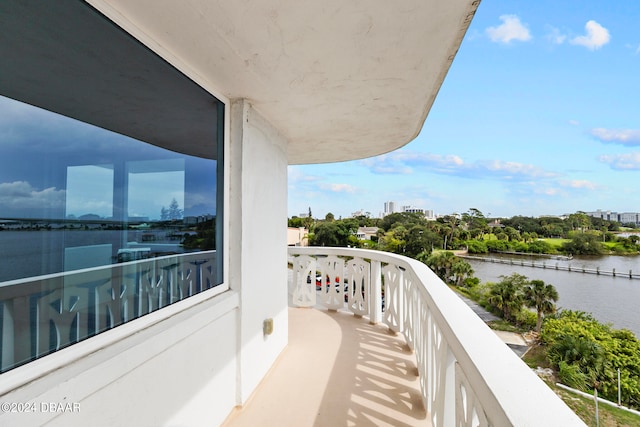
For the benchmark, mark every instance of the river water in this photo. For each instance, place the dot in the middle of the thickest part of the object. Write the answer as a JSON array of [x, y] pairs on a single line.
[[614, 300], [35, 253]]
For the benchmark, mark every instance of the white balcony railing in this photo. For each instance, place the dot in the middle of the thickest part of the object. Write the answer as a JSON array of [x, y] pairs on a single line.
[[468, 377], [40, 315]]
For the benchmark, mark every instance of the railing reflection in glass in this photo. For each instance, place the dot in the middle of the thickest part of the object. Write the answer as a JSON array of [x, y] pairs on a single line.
[[44, 314]]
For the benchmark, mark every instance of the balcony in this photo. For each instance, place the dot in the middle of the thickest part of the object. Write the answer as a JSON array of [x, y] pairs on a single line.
[[391, 344]]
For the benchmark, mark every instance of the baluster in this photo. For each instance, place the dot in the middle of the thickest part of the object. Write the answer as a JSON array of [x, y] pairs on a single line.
[[469, 412], [332, 276], [359, 277], [304, 294], [392, 280], [375, 299]]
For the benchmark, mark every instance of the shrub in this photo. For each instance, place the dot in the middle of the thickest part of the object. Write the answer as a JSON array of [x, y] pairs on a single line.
[[476, 247], [521, 247], [540, 247], [571, 376], [497, 245], [526, 319]]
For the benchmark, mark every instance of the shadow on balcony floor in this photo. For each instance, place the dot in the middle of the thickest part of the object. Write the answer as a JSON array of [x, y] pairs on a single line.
[[337, 370]]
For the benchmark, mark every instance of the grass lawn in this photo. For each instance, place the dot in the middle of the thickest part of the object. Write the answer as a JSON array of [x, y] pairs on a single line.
[[556, 243], [585, 408]]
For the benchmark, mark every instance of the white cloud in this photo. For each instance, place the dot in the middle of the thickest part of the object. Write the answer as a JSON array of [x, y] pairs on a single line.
[[510, 29], [574, 122], [20, 195], [579, 184], [596, 36], [338, 188], [405, 162], [387, 164], [510, 169], [546, 191], [555, 36], [629, 161], [629, 137], [295, 175]]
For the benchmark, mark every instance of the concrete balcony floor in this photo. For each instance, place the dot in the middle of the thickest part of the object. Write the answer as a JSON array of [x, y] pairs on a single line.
[[338, 370]]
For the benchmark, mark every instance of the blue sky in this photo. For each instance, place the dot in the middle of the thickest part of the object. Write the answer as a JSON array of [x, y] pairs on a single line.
[[538, 115]]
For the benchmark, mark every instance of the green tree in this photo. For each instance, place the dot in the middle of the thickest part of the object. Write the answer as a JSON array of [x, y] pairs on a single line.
[[461, 270], [579, 221], [419, 239], [507, 295], [475, 222], [542, 297], [295, 222], [391, 242], [583, 244], [406, 219], [441, 264], [512, 233], [451, 223], [336, 233], [309, 222]]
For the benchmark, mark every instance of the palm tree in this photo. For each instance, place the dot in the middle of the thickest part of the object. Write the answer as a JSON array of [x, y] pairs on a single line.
[[507, 294], [441, 263], [460, 271], [542, 297]]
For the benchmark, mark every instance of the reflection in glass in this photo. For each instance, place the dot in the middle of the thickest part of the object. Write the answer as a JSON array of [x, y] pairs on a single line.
[[117, 192], [96, 229], [110, 179], [89, 191]]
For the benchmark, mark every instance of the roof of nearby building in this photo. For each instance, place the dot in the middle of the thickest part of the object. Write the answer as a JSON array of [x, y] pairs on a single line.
[[369, 230], [340, 80]]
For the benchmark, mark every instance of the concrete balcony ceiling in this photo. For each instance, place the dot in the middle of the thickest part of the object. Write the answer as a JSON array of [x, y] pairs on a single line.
[[340, 80]]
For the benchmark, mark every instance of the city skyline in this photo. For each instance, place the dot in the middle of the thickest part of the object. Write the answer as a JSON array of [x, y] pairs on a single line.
[[537, 116]]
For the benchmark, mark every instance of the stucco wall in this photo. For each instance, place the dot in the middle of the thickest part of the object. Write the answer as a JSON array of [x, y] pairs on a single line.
[[166, 368], [257, 240]]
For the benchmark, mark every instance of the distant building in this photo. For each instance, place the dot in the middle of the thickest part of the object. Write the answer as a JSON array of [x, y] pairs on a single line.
[[623, 218], [495, 224], [629, 218], [412, 209], [389, 208], [361, 212], [366, 233], [194, 220], [297, 236]]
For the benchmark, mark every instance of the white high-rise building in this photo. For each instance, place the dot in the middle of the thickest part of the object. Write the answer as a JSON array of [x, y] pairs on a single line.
[[389, 208]]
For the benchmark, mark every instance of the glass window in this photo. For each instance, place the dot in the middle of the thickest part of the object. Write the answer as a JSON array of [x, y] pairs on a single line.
[[110, 180]]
